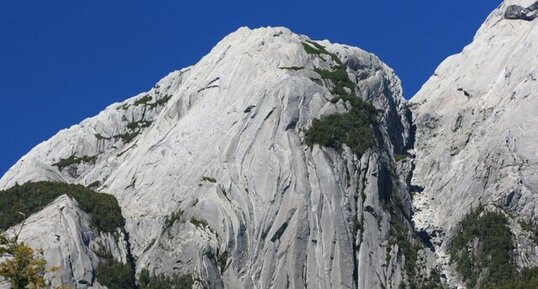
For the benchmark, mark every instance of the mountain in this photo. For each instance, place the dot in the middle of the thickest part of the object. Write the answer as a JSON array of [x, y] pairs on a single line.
[[214, 178], [277, 161], [476, 132]]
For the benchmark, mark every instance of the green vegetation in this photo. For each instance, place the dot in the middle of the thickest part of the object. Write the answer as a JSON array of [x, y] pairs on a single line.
[[337, 129], [170, 220], [25, 269], [115, 275], [162, 101], [312, 47], [102, 252], [340, 80], [222, 260], [128, 136], [294, 68], [94, 185], [398, 157], [481, 249], [147, 281], [529, 226], [528, 279], [143, 100], [74, 160], [135, 127], [209, 179], [398, 235], [30, 198], [138, 124], [202, 224], [351, 128], [357, 224], [123, 107], [408, 246], [99, 136], [433, 281], [310, 50]]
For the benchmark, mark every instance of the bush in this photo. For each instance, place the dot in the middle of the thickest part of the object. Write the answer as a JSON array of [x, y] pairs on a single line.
[[202, 224], [209, 179], [531, 227], [74, 160], [526, 280], [143, 100], [138, 124], [409, 246], [351, 128], [312, 47], [146, 281], [171, 219], [339, 78], [30, 198], [490, 260], [398, 234], [115, 275], [222, 260], [161, 101], [335, 130], [128, 136], [294, 68], [99, 136]]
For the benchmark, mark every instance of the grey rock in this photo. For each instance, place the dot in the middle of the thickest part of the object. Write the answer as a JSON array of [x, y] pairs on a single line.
[[479, 148], [62, 231], [211, 162], [227, 150]]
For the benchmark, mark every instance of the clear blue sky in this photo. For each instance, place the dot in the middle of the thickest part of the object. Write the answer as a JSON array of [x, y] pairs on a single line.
[[63, 60]]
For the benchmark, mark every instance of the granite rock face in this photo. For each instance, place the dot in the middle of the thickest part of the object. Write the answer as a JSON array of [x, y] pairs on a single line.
[[476, 133], [62, 231], [214, 178], [211, 164]]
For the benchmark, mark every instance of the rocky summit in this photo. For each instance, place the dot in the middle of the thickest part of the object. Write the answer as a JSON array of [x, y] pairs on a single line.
[[278, 161], [476, 131]]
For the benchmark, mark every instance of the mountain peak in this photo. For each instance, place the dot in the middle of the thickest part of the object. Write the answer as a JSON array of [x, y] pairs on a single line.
[[476, 130], [217, 152], [278, 161]]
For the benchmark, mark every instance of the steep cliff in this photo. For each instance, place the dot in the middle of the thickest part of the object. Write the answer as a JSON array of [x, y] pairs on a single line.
[[281, 162], [476, 135], [215, 179]]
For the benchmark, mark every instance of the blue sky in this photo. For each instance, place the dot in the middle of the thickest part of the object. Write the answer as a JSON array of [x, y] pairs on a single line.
[[62, 61]]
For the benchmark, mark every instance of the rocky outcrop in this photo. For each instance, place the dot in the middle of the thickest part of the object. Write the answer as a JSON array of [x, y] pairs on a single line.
[[214, 179], [476, 132], [62, 231], [516, 12]]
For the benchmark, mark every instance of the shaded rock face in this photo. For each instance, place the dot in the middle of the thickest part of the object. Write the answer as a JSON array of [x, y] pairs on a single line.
[[476, 133], [214, 179], [518, 12]]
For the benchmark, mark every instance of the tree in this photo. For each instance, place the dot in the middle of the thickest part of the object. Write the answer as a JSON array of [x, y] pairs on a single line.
[[23, 268]]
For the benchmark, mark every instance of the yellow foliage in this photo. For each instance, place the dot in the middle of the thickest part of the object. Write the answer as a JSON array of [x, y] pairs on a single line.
[[23, 268]]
